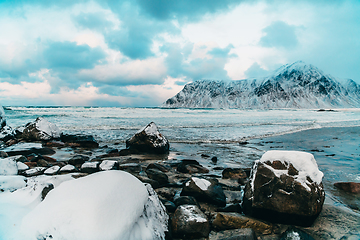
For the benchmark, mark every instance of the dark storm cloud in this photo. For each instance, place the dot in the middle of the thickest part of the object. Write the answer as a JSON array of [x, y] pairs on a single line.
[[279, 35], [69, 55]]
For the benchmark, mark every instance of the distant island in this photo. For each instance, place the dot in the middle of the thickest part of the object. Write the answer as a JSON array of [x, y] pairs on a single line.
[[297, 85]]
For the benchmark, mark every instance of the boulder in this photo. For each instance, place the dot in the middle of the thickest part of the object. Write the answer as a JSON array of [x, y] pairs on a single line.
[[189, 222], [22, 166], [205, 190], [40, 130], [158, 166], [109, 165], [3, 154], [285, 187], [149, 140], [185, 200], [80, 140], [351, 187], [131, 167], [226, 221], [191, 168]]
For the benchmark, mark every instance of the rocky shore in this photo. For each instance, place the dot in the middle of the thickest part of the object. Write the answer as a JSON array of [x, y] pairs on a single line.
[[281, 197]]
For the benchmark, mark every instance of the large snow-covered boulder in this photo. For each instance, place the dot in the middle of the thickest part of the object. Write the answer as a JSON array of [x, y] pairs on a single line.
[[103, 205], [285, 187], [40, 130], [148, 139]]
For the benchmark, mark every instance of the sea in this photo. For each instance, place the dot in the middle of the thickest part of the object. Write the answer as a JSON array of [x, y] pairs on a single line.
[[235, 137]]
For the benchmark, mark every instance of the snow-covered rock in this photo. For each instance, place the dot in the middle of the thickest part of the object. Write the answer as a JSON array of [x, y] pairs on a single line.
[[41, 129], [52, 170], [8, 166], [22, 166], [148, 139], [104, 205], [2, 117], [6, 133], [90, 167], [296, 85], [36, 171], [27, 149], [190, 222], [286, 187], [68, 168], [107, 165]]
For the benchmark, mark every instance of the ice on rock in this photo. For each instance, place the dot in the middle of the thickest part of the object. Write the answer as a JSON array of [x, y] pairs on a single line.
[[104, 205], [47, 127], [52, 170], [107, 165], [302, 161], [203, 184], [8, 166]]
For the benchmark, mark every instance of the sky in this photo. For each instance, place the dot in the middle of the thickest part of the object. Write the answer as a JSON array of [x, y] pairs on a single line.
[[139, 53]]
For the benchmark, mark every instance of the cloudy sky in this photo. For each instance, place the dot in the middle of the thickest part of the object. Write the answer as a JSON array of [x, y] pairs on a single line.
[[141, 52]]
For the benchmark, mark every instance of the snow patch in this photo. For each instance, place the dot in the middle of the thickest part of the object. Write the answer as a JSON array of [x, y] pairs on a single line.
[[203, 184], [8, 166], [67, 167], [22, 166], [107, 165], [104, 205], [52, 170], [11, 183], [90, 165], [47, 127]]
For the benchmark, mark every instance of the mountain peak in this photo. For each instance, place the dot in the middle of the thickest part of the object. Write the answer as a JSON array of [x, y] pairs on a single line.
[[296, 85]]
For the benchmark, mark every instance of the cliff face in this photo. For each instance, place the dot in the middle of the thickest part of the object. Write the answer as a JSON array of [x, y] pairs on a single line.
[[296, 85]]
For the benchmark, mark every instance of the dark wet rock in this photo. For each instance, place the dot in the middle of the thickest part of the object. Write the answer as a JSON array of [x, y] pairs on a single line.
[[144, 179], [36, 171], [68, 169], [218, 168], [205, 190], [42, 163], [159, 167], [234, 173], [226, 221], [229, 184], [78, 159], [3, 154], [214, 160], [157, 175], [288, 190], [170, 206], [191, 168], [18, 158], [90, 167], [351, 187], [149, 140], [52, 170], [40, 130], [236, 234], [46, 190], [84, 141], [205, 156], [49, 159], [27, 149], [57, 144], [185, 200], [189, 222], [167, 193], [30, 164], [109, 165], [232, 207], [131, 167], [294, 233]]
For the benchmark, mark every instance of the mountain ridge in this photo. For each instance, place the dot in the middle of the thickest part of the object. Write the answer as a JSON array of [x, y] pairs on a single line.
[[296, 85]]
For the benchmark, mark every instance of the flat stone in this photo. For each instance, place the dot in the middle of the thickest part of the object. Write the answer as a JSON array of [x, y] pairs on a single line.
[[351, 187], [236, 234], [226, 221]]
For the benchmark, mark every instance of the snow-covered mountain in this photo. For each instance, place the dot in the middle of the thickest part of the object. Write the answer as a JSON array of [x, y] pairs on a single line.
[[296, 85]]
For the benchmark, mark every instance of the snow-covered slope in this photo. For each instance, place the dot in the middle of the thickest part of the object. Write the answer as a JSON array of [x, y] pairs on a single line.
[[296, 85]]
